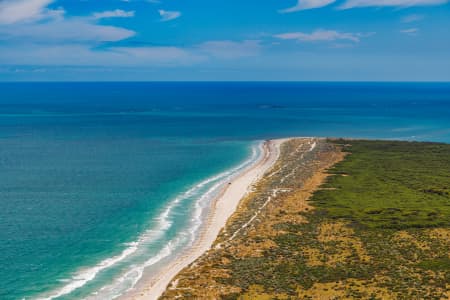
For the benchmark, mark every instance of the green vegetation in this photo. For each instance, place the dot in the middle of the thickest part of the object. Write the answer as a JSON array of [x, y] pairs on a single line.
[[440, 264], [378, 228], [390, 185]]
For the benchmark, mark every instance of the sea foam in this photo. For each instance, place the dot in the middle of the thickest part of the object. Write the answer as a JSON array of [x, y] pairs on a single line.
[[128, 279]]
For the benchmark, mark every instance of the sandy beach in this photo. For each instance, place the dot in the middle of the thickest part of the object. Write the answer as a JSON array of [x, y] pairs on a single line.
[[223, 206]]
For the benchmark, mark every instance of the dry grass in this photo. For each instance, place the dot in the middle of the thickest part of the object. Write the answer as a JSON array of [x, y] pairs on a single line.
[[294, 250], [348, 289]]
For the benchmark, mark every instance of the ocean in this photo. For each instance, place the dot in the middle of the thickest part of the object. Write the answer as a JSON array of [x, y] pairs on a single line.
[[101, 181]]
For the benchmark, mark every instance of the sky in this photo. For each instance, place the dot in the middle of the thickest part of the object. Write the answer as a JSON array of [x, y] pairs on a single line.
[[225, 40]]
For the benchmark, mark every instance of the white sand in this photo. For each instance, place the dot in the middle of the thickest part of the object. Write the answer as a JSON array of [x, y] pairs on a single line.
[[222, 208]]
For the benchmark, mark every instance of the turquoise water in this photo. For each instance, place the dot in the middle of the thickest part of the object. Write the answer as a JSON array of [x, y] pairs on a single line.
[[99, 180]]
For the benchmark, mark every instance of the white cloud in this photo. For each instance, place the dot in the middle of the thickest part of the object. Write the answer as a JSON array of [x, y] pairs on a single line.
[[21, 24], [412, 18], [71, 30], [84, 55], [320, 36], [231, 49], [72, 53], [77, 41], [157, 55], [54, 14], [392, 3], [410, 31], [311, 4], [15, 11], [168, 15], [307, 4], [118, 13]]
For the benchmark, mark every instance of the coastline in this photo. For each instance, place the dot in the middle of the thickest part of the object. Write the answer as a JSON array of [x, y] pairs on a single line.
[[222, 207], [311, 228]]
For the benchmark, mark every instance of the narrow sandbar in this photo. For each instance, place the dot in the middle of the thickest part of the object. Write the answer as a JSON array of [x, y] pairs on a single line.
[[222, 207]]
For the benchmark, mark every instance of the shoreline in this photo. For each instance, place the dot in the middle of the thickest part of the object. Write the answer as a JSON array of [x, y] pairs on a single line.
[[221, 209], [318, 227]]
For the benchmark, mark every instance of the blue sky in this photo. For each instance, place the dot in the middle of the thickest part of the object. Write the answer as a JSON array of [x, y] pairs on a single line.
[[314, 40]]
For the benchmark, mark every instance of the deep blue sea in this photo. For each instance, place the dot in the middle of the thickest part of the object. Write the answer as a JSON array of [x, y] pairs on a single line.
[[101, 181]]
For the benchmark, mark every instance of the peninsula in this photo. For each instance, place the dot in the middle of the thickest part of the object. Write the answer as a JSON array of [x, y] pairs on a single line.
[[334, 219]]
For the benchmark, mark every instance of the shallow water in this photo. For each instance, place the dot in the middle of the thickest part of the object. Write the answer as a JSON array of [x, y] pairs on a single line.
[[89, 170]]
